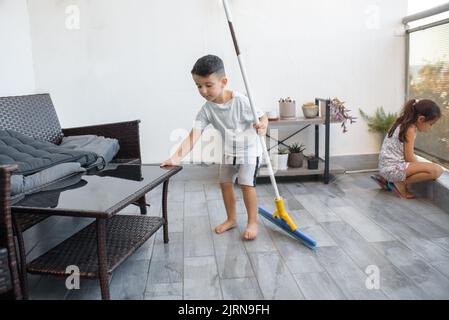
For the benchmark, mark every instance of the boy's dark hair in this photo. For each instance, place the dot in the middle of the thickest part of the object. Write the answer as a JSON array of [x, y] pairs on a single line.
[[410, 113], [208, 65]]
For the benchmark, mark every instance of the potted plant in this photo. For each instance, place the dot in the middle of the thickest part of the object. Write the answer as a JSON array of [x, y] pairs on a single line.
[[287, 109], [339, 112], [295, 158], [280, 159], [380, 122], [312, 162], [310, 110]]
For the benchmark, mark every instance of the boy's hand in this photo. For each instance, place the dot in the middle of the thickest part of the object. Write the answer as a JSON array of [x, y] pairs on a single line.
[[169, 163], [261, 128]]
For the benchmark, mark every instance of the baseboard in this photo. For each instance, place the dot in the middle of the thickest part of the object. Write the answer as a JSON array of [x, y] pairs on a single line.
[[441, 192], [357, 162], [436, 191], [349, 163]]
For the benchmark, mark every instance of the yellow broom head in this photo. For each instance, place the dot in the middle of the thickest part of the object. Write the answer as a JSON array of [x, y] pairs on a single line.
[[281, 213]]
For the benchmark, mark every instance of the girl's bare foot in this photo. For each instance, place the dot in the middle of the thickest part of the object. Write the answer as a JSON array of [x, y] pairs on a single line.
[[225, 226], [400, 189], [250, 232], [408, 194]]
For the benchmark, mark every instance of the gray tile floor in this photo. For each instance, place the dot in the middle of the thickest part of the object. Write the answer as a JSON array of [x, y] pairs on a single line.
[[355, 224]]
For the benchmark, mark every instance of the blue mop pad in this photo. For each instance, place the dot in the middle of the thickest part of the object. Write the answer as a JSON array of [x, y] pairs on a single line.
[[308, 242]]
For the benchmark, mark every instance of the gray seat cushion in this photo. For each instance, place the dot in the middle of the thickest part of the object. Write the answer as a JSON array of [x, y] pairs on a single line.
[[48, 196], [32, 115], [105, 148], [33, 183], [32, 155]]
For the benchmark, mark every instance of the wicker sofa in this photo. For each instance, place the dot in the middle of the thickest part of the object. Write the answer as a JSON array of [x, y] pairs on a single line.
[[35, 116]]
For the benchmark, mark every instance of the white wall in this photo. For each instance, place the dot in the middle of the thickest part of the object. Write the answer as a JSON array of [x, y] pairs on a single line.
[[16, 61], [415, 6], [132, 60]]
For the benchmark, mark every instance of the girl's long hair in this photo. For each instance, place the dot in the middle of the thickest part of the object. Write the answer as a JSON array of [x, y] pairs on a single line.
[[410, 113]]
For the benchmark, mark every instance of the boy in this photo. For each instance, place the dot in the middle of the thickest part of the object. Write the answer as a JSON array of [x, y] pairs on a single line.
[[230, 113]]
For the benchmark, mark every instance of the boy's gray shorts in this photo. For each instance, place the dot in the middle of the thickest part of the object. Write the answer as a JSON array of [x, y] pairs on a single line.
[[245, 173]]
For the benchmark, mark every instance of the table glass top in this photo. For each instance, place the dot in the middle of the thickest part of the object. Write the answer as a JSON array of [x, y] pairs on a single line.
[[98, 191]]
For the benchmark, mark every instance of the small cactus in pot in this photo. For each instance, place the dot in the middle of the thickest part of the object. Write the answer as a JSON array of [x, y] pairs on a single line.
[[312, 162], [296, 157]]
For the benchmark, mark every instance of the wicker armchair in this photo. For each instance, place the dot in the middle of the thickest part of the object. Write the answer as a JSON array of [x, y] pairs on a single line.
[[9, 275], [35, 116], [127, 133]]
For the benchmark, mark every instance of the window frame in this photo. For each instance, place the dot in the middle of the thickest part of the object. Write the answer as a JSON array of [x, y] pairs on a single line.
[[418, 16]]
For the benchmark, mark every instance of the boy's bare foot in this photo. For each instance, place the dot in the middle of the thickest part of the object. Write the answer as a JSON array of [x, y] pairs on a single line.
[[225, 226], [250, 232]]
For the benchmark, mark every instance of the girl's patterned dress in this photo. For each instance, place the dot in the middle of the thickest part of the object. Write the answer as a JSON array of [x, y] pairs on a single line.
[[392, 164]]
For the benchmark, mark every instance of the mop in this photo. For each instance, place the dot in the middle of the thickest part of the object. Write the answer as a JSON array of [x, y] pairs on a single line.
[[280, 217]]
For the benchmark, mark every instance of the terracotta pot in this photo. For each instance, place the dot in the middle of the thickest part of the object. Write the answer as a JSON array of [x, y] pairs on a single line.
[[295, 160]]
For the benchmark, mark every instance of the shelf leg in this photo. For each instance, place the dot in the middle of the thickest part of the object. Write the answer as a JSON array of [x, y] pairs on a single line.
[[164, 210], [327, 143]]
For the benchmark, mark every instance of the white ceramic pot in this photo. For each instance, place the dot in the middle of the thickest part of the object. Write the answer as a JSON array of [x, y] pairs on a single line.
[[287, 110], [279, 161]]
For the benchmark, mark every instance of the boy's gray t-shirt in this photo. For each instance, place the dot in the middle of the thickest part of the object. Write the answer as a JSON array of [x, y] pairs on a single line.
[[234, 120]]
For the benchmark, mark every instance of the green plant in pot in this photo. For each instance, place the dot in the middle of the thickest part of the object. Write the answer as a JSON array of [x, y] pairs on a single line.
[[380, 122], [296, 157]]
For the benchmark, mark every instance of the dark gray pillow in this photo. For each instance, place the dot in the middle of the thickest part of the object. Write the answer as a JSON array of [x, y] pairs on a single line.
[[32, 155], [106, 148]]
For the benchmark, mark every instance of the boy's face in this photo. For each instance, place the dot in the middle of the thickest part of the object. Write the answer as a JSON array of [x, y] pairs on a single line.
[[210, 87]]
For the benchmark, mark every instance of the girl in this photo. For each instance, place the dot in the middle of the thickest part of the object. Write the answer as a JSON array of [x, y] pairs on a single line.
[[397, 162]]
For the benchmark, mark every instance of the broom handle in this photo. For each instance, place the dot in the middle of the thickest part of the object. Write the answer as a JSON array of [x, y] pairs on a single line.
[[251, 101]]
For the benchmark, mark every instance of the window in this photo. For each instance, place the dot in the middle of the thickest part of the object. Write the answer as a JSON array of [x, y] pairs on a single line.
[[428, 78]]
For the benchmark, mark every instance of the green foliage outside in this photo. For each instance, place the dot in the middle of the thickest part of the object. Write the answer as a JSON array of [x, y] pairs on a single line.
[[380, 122]]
